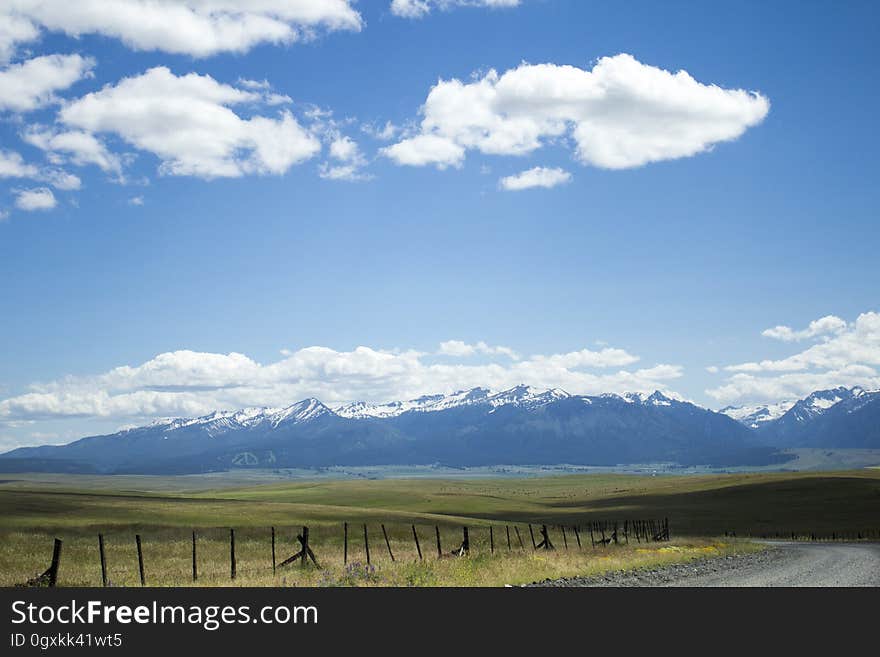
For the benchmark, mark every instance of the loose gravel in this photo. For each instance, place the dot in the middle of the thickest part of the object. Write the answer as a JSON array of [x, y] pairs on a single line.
[[780, 564]]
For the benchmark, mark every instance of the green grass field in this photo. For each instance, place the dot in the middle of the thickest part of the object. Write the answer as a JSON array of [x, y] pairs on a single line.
[[165, 510]]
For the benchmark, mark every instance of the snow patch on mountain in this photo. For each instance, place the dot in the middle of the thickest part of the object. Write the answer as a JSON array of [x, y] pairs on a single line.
[[755, 415]]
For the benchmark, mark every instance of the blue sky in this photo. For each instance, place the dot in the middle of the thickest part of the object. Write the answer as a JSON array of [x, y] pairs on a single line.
[[667, 247]]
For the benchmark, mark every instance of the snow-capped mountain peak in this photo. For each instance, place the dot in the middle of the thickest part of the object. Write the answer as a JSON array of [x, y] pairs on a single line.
[[801, 411], [302, 411], [819, 402], [526, 396], [521, 395]]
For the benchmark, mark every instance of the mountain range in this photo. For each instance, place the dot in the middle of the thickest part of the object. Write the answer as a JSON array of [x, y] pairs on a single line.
[[522, 425]]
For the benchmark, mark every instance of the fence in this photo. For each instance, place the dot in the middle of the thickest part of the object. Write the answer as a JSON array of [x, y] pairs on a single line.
[[602, 534]]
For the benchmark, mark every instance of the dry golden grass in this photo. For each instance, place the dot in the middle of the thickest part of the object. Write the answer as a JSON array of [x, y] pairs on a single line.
[[168, 558]]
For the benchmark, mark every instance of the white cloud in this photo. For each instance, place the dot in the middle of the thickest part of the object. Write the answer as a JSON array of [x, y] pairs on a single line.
[[14, 30], [40, 198], [82, 147], [420, 8], [619, 114], [61, 179], [535, 177], [426, 149], [821, 326], [199, 28], [32, 84], [459, 349], [192, 383], [848, 357], [384, 133], [136, 200], [186, 121], [349, 161], [12, 165]]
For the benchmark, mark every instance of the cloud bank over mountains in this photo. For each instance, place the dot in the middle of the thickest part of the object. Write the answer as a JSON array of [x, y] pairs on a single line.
[[189, 383], [843, 354], [186, 383]]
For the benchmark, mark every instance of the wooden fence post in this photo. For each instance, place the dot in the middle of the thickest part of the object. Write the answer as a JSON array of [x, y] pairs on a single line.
[[387, 543], [231, 553], [577, 535], [103, 560], [367, 544], [137, 540], [592, 540], [439, 549], [507, 529], [545, 543], [416, 539], [194, 564], [305, 547], [532, 534], [273, 551], [491, 540], [345, 544], [564, 538], [56, 562], [519, 538], [626, 531]]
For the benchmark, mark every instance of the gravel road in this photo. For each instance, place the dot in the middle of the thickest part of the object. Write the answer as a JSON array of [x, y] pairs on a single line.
[[782, 564]]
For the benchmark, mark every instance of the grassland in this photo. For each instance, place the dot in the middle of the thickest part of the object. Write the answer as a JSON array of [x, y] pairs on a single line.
[[36, 508]]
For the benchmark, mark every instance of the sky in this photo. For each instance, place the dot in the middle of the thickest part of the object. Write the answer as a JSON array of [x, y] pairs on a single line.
[[213, 204]]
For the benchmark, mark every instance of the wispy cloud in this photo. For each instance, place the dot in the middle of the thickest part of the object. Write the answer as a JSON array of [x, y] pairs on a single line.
[[536, 177], [848, 353]]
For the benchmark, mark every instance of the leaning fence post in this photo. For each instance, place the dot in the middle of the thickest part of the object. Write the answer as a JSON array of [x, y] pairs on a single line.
[[439, 549], [564, 538], [491, 540], [387, 543], [532, 534], [592, 540], [519, 538], [103, 560], [231, 554], [137, 540], [416, 539], [577, 535], [507, 529]]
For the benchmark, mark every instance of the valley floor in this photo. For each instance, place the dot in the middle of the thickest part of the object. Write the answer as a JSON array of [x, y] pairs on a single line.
[[166, 511]]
